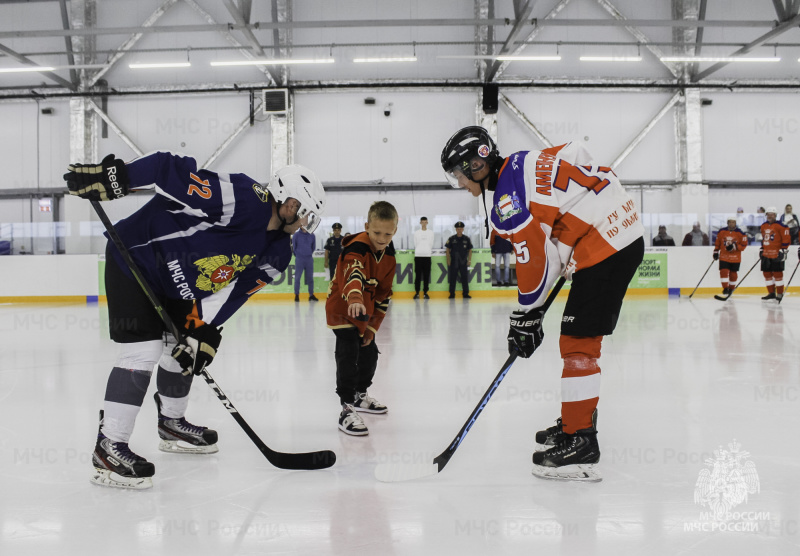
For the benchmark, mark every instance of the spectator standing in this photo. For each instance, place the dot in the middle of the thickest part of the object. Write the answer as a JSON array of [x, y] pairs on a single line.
[[663, 239], [501, 249], [459, 257], [423, 251], [789, 219], [303, 244], [333, 248], [696, 237]]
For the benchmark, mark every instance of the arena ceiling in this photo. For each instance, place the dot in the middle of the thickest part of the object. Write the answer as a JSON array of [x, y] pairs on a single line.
[[71, 47]]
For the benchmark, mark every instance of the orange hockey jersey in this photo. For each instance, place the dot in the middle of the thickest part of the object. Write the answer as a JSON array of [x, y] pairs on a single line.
[[562, 213], [775, 237], [362, 276], [734, 237]]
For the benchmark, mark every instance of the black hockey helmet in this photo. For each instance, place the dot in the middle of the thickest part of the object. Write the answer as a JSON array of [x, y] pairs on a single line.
[[463, 147]]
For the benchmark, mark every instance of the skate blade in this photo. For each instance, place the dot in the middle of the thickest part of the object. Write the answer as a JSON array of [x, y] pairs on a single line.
[[586, 473], [180, 447], [106, 477]]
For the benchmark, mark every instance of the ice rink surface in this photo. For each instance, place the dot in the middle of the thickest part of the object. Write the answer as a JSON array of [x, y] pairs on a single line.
[[699, 398]]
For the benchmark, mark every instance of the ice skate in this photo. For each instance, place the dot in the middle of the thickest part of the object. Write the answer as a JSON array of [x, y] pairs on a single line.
[[367, 404], [548, 437], [180, 436], [350, 422], [769, 296], [115, 465], [572, 458]]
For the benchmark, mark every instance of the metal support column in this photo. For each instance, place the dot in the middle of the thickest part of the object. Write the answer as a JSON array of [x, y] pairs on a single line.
[[83, 130]]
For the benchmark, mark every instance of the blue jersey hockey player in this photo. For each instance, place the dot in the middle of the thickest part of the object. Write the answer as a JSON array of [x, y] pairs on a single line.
[[205, 243]]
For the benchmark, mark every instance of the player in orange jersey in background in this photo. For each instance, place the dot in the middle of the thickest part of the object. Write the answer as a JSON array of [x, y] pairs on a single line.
[[774, 247], [728, 247], [564, 215]]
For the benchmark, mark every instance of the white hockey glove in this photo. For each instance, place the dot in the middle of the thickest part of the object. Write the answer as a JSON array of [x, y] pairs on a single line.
[[525, 333], [98, 182], [784, 253], [198, 349]]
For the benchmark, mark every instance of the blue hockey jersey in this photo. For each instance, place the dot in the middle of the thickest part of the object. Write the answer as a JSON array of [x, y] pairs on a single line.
[[203, 237]]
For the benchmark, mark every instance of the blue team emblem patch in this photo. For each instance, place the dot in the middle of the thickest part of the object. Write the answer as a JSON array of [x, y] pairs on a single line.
[[507, 206]]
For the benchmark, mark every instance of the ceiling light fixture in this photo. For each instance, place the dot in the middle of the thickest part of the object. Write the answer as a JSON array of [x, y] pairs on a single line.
[[504, 58], [277, 62], [161, 65], [379, 60], [715, 59], [27, 68]]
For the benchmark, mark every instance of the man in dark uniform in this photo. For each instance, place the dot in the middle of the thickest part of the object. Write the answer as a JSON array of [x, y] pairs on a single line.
[[333, 248], [459, 255]]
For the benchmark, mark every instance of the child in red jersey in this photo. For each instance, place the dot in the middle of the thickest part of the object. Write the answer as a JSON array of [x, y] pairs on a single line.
[[358, 299]]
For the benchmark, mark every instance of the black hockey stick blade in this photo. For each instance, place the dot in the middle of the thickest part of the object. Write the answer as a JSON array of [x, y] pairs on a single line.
[[396, 472], [281, 460]]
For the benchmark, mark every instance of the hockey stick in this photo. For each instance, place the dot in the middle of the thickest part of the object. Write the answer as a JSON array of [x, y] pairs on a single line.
[[725, 297], [310, 460], [395, 472], [786, 289], [701, 279]]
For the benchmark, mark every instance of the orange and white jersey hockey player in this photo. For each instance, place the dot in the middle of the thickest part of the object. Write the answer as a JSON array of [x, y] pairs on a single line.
[[730, 243], [559, 197], [565, 215]]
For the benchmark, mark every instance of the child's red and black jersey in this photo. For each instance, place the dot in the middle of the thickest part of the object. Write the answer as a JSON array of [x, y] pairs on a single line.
[[362, 276]]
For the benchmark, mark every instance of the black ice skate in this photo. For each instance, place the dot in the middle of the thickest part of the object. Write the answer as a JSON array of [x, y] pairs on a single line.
[[116, 465], [769, 296], [549, 436], [572, 458], [182, 437]]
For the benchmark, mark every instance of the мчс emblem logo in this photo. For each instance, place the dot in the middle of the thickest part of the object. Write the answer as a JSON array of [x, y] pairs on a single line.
[[727, 482], [219, 270]]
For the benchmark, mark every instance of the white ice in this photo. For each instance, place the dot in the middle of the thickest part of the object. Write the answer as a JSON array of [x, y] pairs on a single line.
[[681, 379]]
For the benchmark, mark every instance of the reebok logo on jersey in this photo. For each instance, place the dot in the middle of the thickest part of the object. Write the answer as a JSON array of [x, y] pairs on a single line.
[[567, 319]]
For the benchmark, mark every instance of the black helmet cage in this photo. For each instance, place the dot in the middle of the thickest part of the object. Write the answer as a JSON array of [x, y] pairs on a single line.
[[466, 144]]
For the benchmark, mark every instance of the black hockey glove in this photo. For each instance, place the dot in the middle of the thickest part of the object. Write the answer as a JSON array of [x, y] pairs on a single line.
[[716, 255], [98, 182], [730, 247], [761, 254], [198, 348], [525, 333]]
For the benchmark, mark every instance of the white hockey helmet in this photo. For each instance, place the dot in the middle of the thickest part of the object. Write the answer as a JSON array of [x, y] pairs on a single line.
[[298, 182], [773, 210]]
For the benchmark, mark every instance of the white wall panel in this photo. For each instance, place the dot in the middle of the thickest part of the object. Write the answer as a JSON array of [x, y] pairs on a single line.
[[752, 137]]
